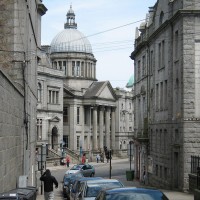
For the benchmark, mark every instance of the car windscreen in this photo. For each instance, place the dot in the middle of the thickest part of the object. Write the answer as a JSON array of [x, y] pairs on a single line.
[[76, 167], [93, 189], [136, 196]]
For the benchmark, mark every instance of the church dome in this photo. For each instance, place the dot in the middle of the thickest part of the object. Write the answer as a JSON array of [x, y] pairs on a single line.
[[130, 82], [70, 40]]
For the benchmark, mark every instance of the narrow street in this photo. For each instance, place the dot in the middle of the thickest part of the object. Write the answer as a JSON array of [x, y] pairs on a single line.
[[118, 171]]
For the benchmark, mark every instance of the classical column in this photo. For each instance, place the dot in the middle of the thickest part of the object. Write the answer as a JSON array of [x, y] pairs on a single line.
[[108, 127], [113, 128], [82, 142], [101, 139], [95, 128]]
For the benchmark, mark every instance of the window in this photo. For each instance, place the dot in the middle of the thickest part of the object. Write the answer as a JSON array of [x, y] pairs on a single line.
[[65, 67], [163, 53], [151, 62], [161, 172], [139, 69], [143, 66], [65, 141], [161, 18], [39, 92], [156, 170], [130, 117], [151, 140], [73, 68], [157, 97], [129, 105], [60, 65], [177, 91], [130, 128], [53, 96], [78, 142], [161, 96], [159, 56], [78, 68], [82, 68], [78, 115], [39, 129], [176, 45], [165, 141], [161, 140], [65, 115], [165, 173], [156, 144], [165, 95]]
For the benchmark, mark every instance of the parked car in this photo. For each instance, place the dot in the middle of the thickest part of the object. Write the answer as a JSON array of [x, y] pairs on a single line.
[[68, 180], [86, 169], [130, 193], [89, 189], [77, 183]]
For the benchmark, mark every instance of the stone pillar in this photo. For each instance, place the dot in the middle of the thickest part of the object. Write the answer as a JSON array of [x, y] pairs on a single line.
[[95, 128], [82, 144], [101, 138], [113, 129], [72, 127], [107, 127]]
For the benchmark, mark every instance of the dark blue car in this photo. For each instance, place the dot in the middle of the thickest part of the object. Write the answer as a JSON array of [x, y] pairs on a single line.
[[130, 193], [68, 180]]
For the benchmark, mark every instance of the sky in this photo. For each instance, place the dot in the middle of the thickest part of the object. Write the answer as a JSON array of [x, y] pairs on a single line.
[[110, 27]]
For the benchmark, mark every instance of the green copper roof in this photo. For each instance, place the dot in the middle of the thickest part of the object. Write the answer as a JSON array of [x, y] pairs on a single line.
[[130, 82]]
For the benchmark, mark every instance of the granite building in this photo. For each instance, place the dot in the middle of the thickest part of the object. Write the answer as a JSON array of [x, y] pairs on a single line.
[[19, 44], [166, 91], [87, 107]]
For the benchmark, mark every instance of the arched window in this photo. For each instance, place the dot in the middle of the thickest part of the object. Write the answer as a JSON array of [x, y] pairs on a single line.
[[39, 92], [161, 18]]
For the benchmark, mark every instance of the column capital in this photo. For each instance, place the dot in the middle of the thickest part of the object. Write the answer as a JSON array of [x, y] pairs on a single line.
[[101, 108], [108, 108], [113, 109]]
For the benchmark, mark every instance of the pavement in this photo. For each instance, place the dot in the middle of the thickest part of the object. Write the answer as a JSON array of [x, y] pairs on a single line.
[[172, 195]]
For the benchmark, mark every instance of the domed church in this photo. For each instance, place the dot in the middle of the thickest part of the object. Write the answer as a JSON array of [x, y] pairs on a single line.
[[79, 113]]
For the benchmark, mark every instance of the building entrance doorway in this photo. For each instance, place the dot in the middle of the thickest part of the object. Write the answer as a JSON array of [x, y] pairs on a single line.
[[54, 138]]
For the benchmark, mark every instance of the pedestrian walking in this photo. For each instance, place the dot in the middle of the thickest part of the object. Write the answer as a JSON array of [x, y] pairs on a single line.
[[67, 160], [83, 159], [49, 181], [98, 158]]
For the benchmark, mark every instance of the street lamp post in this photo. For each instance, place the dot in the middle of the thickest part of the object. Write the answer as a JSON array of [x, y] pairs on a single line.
[[90, 134]]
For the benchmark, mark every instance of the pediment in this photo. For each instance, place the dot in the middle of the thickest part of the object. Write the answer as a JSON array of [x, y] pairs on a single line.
[[55, 119], [106, 93]]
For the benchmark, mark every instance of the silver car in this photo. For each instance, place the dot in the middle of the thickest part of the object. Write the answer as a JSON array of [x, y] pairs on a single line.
[[86, 169], [88, 190]]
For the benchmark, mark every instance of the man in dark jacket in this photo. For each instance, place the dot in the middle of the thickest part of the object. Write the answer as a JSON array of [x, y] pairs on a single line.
[[48, 180]]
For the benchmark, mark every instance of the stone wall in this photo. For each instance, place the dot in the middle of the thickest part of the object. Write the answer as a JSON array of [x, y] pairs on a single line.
[[11, 134]]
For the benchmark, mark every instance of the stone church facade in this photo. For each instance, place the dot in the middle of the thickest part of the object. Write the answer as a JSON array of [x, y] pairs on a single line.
[[166, 92], [86, 110]]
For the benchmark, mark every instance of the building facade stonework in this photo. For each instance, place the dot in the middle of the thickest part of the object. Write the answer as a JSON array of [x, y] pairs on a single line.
[[19, 41], [166, 92], [89, 107]]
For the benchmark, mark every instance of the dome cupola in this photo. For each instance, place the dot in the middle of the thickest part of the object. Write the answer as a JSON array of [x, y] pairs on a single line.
[[70, 39]]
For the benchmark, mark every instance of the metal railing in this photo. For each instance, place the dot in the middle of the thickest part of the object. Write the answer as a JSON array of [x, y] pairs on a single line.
[[195, 168], [195, 162]]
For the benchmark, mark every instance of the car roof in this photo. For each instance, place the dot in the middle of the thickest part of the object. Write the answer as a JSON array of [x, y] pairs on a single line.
[[132, 189], [103, 180]]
